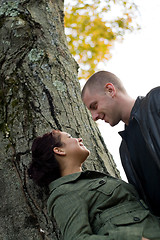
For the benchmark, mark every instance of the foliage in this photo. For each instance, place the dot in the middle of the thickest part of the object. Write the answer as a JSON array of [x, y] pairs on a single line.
[[93, 26]]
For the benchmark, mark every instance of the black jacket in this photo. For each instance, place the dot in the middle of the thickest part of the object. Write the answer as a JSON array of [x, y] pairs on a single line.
[[146, 112]]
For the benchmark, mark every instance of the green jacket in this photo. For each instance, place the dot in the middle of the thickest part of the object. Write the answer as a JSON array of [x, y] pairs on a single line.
[[94, 206]]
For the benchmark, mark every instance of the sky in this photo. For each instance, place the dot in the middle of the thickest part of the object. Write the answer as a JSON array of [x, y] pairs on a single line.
[[136, 61]]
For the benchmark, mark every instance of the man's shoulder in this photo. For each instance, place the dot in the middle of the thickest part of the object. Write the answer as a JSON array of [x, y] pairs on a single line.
[[152, 96], [153, 91], [152, 99], [147, 104]]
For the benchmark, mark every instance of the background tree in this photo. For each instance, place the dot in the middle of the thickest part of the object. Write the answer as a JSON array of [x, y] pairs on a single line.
[[93, 26], [39, 91]]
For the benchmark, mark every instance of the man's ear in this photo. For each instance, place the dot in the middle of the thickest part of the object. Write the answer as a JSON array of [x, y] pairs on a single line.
[[59, 151], [110, 89]]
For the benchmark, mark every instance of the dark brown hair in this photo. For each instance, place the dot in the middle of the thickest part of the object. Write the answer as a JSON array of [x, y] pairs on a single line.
[[44, 167]]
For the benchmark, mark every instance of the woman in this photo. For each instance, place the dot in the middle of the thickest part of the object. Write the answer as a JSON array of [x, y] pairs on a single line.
[[87, 205]]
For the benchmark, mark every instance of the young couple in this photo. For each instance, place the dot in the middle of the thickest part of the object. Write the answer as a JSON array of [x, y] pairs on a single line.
[[92, 205]]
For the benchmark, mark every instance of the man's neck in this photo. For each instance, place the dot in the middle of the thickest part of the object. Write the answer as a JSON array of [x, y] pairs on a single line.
[[127, 110]]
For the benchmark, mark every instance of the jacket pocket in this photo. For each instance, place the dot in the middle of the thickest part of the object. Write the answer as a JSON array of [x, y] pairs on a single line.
[[129, 218], [105, 185]]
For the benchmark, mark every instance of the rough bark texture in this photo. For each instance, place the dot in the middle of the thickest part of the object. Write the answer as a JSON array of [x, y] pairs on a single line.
[[39, 91]]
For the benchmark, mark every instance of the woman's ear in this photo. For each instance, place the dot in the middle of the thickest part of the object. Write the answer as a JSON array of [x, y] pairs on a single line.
[[59, 151]]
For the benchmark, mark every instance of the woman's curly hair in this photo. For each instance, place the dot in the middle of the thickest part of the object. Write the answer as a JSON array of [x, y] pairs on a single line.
[[44, 167]]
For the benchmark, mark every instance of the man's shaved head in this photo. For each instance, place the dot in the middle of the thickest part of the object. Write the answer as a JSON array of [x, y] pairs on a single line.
[[98, 81]]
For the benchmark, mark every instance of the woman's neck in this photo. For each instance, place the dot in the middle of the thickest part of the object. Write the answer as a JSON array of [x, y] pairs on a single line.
[[68, 171]]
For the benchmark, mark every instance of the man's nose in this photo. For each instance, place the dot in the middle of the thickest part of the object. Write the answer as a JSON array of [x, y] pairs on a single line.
[[95, 116]]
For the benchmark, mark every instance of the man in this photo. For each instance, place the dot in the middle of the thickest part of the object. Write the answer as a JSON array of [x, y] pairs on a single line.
[[106, 98]]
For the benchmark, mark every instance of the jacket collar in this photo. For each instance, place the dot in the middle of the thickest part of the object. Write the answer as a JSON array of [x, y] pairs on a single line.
[[62, 180], [132, 115], [135, 107], [72, 177]]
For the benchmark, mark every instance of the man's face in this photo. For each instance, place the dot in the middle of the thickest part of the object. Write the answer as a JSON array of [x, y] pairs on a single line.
[[102, 105]]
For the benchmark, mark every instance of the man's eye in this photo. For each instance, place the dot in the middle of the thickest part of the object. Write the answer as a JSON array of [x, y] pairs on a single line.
[[94, 107]]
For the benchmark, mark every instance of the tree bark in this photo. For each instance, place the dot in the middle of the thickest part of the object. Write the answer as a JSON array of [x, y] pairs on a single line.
[[39, 91]]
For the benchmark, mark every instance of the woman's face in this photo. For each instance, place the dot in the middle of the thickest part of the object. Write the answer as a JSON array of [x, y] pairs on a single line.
[[73, 147]]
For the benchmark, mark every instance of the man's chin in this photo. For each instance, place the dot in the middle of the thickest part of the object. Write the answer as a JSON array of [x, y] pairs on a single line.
[[106, 121], [110, 123], [113, 124]]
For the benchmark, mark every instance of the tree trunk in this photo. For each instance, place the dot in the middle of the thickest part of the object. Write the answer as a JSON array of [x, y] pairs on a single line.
[[39, 91]]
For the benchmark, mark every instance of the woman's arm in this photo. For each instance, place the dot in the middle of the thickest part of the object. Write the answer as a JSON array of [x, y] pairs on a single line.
[[71, 215]]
